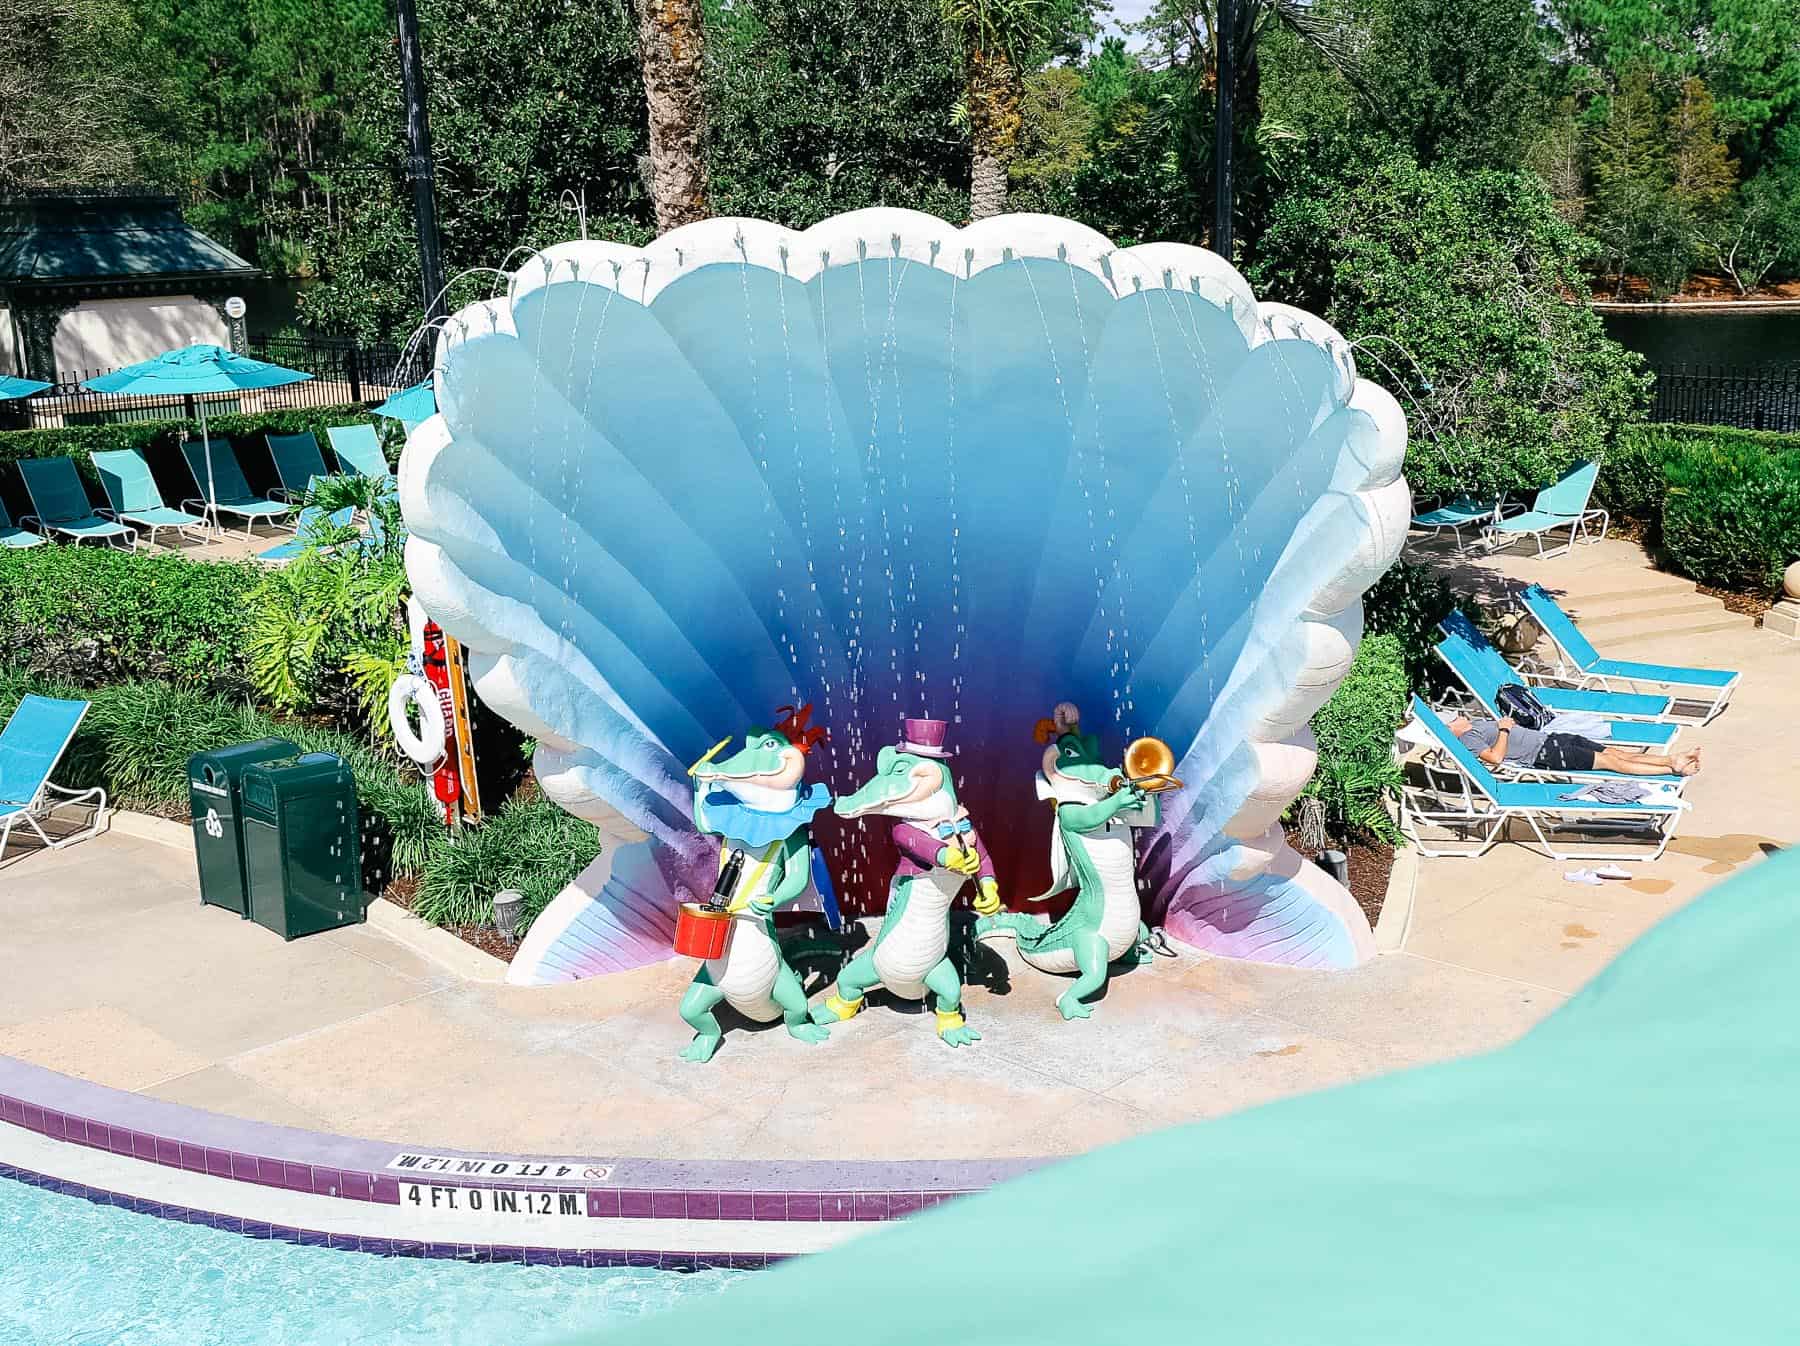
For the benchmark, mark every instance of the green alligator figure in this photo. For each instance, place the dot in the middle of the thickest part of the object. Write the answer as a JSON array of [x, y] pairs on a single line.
[[753, 801], [940, 851], [1091, 849]]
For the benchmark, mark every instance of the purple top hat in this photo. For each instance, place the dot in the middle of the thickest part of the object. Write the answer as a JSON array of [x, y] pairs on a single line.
[[924, 738]]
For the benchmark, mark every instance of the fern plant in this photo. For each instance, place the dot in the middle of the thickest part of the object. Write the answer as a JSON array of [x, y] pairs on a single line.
[[326, 630]]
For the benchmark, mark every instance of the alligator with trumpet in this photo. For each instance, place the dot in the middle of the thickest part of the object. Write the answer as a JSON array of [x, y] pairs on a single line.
[[1096, 807]]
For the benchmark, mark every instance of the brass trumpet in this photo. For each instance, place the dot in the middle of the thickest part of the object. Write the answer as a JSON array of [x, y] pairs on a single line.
[[1151, 766]]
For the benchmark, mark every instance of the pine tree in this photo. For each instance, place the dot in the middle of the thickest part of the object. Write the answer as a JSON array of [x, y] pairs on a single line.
[[1701, 169], [1634, 213]]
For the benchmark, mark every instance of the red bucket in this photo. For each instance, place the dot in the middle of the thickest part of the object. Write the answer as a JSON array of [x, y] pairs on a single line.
[[701, 932]]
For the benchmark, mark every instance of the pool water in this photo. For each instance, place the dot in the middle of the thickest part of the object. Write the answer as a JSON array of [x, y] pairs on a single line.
[[73, 1273]]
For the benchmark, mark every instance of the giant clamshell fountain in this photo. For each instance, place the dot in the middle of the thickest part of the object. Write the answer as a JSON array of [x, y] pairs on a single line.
[[897, 468]]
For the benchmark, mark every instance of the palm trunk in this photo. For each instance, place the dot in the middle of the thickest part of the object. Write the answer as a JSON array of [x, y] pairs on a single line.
[[995, 93], [671, 44]]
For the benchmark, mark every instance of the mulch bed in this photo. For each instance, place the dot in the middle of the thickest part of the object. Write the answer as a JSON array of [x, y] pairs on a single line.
[[1745, 605], [1370, 864], [1369, 869], [403, 892]]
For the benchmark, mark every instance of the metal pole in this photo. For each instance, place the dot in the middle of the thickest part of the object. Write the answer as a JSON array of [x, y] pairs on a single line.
[[418, 159], [1224, 69]]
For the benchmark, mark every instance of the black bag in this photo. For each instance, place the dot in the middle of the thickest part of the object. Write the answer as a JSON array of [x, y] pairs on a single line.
[[1518, 702]]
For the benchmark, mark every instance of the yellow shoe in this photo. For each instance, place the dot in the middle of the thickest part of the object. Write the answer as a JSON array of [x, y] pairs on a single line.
[[843, 1009]]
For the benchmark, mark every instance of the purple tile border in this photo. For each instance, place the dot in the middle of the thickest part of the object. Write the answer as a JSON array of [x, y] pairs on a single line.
[[386, 1247], [170, 1135]]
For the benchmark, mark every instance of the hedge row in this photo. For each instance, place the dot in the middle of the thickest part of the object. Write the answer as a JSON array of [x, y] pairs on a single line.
[[78, 441], [1718, 505], [94, 615], [1731, 515], [159, 442]]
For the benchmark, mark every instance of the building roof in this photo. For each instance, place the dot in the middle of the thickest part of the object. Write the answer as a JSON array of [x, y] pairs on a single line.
[[65, 238]]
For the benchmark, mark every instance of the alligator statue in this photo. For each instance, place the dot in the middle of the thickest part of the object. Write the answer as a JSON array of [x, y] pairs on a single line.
[[940, 851], [755, 803], [1090, 849]]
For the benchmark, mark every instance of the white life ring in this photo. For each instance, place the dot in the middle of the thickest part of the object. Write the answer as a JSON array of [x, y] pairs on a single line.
[[426, 745]]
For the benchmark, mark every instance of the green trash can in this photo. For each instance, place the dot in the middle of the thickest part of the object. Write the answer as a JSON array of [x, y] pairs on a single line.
[[215, 797], [302, 845]]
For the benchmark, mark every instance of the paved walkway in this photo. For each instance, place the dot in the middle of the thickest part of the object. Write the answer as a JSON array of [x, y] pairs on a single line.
[[116, 974]]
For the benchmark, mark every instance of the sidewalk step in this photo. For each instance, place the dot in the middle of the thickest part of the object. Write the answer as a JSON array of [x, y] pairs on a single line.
[[1665, 618], [1657, 586], [1729, 621]]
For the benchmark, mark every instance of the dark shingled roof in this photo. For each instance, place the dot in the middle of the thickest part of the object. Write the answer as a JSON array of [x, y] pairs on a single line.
[[52, 239]]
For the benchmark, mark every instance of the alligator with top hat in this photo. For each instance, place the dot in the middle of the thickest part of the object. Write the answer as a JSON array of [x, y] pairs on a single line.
[[756, 802], [940, 853]]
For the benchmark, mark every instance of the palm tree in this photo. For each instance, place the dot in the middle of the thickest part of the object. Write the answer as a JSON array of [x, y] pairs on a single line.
[[671, 46], [997, 37]]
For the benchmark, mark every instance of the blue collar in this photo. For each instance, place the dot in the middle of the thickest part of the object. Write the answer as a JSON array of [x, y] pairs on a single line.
[[726, 816]]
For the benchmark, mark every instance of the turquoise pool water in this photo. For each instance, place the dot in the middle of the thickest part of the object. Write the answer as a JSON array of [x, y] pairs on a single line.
[[76, 1274]]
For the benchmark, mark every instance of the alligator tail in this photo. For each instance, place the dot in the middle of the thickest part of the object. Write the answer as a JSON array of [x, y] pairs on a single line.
[[1031, 931]]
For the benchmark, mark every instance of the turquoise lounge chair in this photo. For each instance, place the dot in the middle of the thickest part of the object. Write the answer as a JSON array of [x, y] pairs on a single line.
[[1470, 800], [230, 493], [16, 537], [358, 451], [312, 527], [131, 491], [1484, 670], [1563, 505], [297, 461], [1579, 662], [1464, 512], [32, 743], [60, 504]]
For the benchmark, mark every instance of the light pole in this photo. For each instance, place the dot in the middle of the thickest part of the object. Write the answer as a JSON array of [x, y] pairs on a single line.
[[418, 161], [1224, 72]]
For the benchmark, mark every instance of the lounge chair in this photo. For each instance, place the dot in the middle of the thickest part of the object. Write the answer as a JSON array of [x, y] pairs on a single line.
[[297, 461], [1484, 670], [11, 536], [1559, 506], [1580, 663], [358, 451], [132, 493], [1471, 800], [312, 527], [1464, 512], [32, 743], [230, 493], [60, 504]]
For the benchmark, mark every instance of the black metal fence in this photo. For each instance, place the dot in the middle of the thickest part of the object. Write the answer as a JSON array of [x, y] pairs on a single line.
[[1761, 397], [343, 372]]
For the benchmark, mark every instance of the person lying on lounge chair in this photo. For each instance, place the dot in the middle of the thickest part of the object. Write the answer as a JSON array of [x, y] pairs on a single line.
[[1503, 740]]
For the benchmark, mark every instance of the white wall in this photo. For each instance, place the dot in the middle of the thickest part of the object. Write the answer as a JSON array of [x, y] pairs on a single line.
[[107, 333], [9, 358]]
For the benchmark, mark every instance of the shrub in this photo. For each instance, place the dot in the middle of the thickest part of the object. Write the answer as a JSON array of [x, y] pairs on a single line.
[[530, 845], [1355, 733], [94, 615], [137, 737], [1406, 604], [1732, 514], [1632, 481], [326, 630]]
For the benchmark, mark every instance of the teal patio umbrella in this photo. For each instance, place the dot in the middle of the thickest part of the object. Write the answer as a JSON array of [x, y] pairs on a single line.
[[11, 387], [193, 370], [411, 405]]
